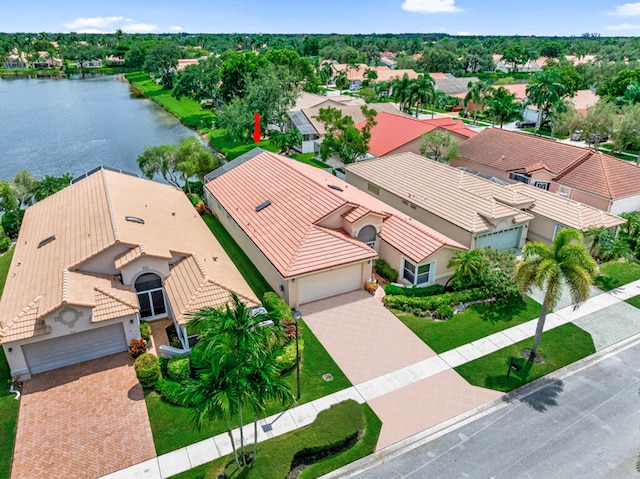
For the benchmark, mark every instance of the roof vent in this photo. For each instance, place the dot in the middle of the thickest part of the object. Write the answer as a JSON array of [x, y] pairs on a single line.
[[134, 219], [46, 241], [334, 187], [262, 206]]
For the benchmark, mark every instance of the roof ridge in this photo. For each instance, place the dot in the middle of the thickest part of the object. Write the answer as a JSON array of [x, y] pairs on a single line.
[[339, 235], [115, 297], [6, 327], [605, 170], [114, 224], [65, 286], [571, 166]]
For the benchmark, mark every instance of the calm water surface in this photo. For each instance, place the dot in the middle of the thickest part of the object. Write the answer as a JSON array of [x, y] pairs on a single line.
[[71, 125]]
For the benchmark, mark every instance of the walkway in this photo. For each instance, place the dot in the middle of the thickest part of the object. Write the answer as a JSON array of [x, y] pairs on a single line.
[[426, 381], [82, 421]]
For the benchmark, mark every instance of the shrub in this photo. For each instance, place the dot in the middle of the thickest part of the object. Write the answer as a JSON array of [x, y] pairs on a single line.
[[386, 271], [287, 359], [171, 392], [413, 292], [276, 305], [431, 303], [11, 221], [147, 369], [5, 242], [195, 199], [444, 311], [179, 368], [137, 347], [145, 331]]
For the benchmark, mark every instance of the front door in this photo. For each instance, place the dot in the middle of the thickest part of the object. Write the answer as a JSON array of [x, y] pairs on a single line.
[[151, 296]]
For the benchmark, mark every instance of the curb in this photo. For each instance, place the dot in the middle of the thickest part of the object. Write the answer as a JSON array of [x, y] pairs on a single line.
[[406, 445]]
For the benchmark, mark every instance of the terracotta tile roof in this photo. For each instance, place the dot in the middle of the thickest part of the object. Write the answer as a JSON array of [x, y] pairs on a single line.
[[86, 220], [354, 111], [576, 167], [437, 188], [392, 131], [293, 231]]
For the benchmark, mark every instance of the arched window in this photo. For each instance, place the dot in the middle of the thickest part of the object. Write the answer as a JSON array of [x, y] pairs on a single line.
[[150, 296], [368, 236]]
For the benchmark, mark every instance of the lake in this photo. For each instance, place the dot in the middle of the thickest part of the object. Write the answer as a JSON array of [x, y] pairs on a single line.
[[53, 126]]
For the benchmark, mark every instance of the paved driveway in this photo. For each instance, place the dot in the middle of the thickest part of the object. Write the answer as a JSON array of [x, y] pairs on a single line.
[[418, 390], [82, 421]]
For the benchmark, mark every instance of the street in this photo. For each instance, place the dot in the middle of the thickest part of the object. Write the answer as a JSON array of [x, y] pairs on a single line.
[[584, 426]]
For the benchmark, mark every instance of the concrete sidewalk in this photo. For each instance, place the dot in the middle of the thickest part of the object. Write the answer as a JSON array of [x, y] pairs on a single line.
[[602, 309]]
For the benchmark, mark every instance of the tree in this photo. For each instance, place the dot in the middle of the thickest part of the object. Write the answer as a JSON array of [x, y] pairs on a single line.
[[325, 72], [422, 92], [626, 132], [287, 140], [235, 367], [439, 146], [599, 122], [502, 106], [161, 60], [237, 69], [515, 55], [83, 53], [342, 82], [401, 89], [565, 262], [341, 135], [476, 94], [194, 159], [200, 81], [48, 185], [467, 264], [546, 91]]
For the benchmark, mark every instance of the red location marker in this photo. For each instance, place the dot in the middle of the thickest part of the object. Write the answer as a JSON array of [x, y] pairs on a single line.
[[256, 128]]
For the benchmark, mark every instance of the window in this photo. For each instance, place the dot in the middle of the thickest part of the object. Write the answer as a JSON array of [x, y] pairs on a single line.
[[368, 236], [417, 274], [543, 185], [521, 177], [373, 189], [150, 296], [556, 230]]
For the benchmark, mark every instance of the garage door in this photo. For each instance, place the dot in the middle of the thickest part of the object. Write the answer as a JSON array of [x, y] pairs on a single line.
[[75, 348], [323, 285], [500, 240]]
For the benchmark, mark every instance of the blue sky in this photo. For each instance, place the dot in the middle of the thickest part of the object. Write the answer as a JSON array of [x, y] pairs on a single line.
[[456, 17]]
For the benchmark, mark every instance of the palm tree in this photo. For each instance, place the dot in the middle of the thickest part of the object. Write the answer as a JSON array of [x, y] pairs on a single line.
[[546, 91], [566, 261], [402, 92], [476, 94], [468, 264], [235, 366], [422, 92], [502, 106]]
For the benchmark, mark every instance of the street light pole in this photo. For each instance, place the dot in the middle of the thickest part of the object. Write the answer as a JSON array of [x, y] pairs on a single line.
[[296, 316]]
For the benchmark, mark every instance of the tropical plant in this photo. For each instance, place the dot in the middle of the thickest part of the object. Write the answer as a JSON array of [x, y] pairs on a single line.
[[287, 140], [235, 366], [476, 94], [566, 261], [342, 137], [422, 92], [467, 264], [546, 91], [502, 107]]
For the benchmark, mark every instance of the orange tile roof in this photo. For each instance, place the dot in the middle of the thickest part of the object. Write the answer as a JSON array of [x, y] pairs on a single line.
[[88, 220], [574, 166], [291, 232], [392, 131]]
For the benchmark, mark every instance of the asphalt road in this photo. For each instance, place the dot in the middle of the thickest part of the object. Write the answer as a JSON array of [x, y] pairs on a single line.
[[584, 426]]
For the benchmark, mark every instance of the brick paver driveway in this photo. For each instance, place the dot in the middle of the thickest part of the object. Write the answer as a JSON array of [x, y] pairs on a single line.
[[367, 341], [82, 421]]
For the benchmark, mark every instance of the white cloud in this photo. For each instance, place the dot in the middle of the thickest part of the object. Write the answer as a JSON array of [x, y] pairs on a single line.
[[133, 27], [466, 34], [96, 23], [175, 28], [627, 10], [624, 26], [430, 6]]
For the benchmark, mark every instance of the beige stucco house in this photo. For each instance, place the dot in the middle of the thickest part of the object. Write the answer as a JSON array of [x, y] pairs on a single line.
[[312, 235], [474, 210], [584, 175], [94, 258]]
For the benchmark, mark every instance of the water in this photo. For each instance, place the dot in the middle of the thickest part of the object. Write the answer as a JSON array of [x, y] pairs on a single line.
[[71, 125]]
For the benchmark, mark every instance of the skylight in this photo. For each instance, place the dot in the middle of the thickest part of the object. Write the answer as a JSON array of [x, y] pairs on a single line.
[[262, 206], [134, 219], [46, 241], [334, 187]]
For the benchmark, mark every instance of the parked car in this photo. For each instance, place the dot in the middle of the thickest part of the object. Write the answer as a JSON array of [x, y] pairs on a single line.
[[525, 124], [576, 135]]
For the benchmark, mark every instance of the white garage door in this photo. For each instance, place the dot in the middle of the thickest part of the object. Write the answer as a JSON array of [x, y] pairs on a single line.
[[75, 348], [500, 240], [324, 285]]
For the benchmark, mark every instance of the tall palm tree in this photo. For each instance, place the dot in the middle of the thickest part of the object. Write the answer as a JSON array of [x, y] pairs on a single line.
[[422, 92], [566, 261], [476, 94], [547, 92], [402, 92]]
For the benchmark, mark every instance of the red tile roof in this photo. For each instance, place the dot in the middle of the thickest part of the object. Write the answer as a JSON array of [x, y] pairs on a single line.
[[577, 167], [393, 131], [297, 232]]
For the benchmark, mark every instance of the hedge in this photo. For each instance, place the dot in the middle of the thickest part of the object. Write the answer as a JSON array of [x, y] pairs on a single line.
[[147, 369], [172, 392], [5, 242], [275, 304], [432, 303], [287, 359], [386, 271], [415, 291]]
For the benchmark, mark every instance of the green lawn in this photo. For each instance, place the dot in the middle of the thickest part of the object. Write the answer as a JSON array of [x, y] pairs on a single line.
[[635, 301], [473, 323], [187, 110], [173, 426], [560, 346], [233, 149], [275, 455], [615, 274], [247, 269], [8, 405], [309, 159]]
